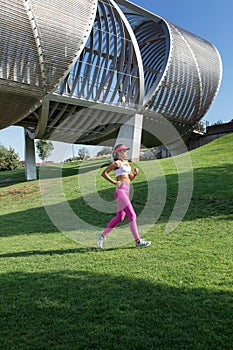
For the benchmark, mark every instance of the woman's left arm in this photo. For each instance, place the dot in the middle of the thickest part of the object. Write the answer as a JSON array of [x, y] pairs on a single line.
[[134, 174]]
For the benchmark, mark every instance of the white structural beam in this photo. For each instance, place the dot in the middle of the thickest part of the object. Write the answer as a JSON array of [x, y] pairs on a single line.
[[130, 134], [30, 158]]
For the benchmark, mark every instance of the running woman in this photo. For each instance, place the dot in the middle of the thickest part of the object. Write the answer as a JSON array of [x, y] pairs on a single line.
[[123, 173]]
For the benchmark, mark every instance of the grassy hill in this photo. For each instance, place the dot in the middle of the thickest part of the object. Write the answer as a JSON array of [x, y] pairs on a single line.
[[63, 293]]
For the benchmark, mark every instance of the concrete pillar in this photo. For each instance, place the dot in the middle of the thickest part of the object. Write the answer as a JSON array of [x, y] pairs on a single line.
[[30, 158], [130, 134]]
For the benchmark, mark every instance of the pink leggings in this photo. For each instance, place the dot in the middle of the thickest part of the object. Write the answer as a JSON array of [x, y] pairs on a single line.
[[124, 207]]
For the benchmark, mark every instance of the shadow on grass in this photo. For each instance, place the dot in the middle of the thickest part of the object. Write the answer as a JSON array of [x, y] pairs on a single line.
[[212, 196], [82, 310], [52, 252], [12, 177]]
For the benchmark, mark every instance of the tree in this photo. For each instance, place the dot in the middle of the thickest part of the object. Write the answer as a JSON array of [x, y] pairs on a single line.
[[106, 150], [218, 122], [83, 153], [9, 159], [44, 149]]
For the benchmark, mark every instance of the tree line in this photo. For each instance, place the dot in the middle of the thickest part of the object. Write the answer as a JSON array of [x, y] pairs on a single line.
[[9, 159]]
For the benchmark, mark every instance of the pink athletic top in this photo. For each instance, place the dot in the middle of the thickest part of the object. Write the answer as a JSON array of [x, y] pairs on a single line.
[[124, 169]]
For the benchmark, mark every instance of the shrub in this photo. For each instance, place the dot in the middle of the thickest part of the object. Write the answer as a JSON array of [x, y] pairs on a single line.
[[9, 159]]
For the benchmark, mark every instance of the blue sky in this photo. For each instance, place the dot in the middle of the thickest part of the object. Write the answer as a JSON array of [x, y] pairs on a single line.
[[209, 20]]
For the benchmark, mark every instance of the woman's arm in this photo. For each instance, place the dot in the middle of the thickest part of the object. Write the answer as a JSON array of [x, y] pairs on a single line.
[[113, 166], [134, 174]]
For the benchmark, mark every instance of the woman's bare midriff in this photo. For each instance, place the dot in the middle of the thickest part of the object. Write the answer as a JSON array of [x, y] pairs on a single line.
[[124, 179]]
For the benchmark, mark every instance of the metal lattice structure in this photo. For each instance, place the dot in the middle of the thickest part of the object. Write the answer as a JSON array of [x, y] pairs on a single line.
[[58, 58]]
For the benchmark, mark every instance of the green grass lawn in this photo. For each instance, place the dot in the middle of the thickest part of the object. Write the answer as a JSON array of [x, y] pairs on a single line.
[[60, 293]]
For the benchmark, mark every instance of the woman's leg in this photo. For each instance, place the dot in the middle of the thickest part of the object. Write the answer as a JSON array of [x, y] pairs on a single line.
[[120, 215], [114, 222], [124, 207], [129, 210]]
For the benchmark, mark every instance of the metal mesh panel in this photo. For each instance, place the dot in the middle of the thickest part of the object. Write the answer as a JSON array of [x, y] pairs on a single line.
[[191, 79], [182, 72], [108, 70], [63, 26], [151, 38], [18, 54], [39, 42]]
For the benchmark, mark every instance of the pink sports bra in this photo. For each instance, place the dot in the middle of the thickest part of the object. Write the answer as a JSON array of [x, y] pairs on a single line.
[[124, 169]]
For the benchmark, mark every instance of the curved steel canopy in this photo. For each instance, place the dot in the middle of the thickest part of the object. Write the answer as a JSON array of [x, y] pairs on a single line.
[[59, 57]]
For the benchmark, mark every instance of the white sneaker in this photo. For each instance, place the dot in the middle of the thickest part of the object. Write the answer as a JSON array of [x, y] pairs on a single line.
[[100, 240], [143, 244]]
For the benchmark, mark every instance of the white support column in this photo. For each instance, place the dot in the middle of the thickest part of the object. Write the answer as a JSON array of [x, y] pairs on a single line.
[[130, 134], [30, 158]]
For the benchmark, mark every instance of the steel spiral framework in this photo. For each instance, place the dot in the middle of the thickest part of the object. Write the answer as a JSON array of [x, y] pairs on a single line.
[[82, 67]]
